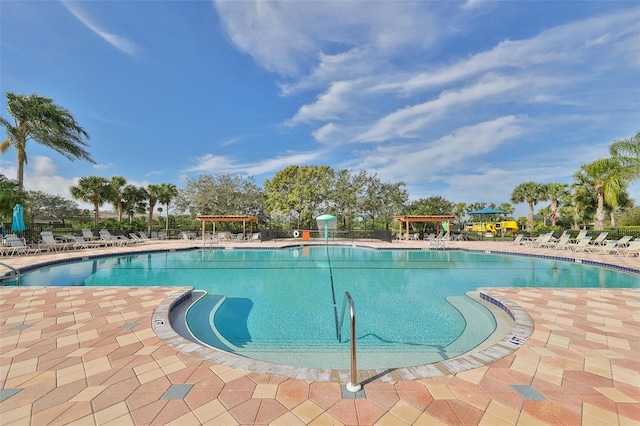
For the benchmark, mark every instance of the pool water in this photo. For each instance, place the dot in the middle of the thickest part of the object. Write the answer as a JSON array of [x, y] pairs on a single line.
[[285, 305]]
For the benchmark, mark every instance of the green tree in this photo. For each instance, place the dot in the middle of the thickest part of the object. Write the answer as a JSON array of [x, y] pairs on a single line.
[[554, 192], [39, 119], [41, 203], [299, 192], [154, 192], [117, 183], [168, 192], [528, 192], [597, 177], [10, 195], [95, 190], [134, 200]]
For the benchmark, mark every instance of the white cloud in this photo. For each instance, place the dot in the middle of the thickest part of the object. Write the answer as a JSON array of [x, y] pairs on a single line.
[[212, 164], [119, 42]]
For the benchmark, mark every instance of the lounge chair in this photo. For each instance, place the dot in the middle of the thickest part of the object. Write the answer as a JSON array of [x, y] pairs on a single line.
[[255, 237], [542, 240], [87, 234], [50, 243], [600, 239], [561, 244], [162, 235], [144, 237], [613, 246], [633, 249], [581, 245], [518, 240], [581, 235], [111, 240], [135, 239], [82, 244], [19, 247]]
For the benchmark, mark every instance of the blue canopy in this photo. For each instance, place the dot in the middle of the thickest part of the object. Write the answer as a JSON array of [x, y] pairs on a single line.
[[487, 210], [17, 222]]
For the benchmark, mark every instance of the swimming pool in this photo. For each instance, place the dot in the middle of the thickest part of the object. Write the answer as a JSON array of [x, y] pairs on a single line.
[[283, 305]]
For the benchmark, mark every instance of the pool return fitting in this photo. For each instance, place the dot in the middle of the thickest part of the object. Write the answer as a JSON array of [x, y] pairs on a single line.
[[353, 385]]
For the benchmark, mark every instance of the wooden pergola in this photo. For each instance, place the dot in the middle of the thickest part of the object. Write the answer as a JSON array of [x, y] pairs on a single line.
[[214, 219], [438, 219]]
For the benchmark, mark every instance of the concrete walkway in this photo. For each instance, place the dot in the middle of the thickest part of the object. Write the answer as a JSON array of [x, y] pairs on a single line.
[[82, 355]]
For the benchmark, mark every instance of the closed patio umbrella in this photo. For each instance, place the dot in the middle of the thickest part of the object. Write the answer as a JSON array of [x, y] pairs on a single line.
[[17, 222]]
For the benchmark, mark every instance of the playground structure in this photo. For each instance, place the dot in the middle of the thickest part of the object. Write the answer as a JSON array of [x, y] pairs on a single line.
[[492, 229]]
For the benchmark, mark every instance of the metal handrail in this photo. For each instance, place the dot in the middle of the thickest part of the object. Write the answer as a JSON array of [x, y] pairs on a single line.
[[15, 271], [353, 385]]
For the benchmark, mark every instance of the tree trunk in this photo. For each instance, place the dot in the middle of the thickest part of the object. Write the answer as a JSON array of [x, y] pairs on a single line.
[[599, 222]]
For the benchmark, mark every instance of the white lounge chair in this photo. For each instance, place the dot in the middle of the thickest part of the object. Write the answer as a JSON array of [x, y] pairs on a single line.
[[82, 244], [581, 235], [518, 240], [49, 242], [19, 247], [613, 246], [87, 234], [633, 249], [600, 239], [581, 245]]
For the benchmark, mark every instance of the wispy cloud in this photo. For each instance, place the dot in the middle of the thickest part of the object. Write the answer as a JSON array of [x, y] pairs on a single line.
[[119, 42], [210, 163]]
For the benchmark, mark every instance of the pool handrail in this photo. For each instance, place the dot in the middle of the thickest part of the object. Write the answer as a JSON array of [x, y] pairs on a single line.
[[353, 385], [16, 274]]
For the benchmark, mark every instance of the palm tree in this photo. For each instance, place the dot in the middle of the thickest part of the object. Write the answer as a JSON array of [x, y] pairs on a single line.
[[94, 190], [625, 168], [554, 192], [598, 177], [39, 119], [117, 183], [530, 193], [133, 200], [154, 192], [167, 193]]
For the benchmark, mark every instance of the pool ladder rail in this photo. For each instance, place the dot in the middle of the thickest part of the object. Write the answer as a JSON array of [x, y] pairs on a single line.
[[11, 276], [353, 385]]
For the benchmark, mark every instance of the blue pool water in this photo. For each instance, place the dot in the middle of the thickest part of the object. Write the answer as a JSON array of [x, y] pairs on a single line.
[[285, 305]]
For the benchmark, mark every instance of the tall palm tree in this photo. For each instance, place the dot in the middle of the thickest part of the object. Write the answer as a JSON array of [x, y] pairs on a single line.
[[39, 119], [154, 192], [94, 190], [117, 183], [133, 200], [167, 193], [554, 192], [530, 193], [626, 156], [597, 176]]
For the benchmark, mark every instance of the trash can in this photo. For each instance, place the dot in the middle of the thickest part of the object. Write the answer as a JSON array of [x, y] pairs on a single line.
[[306, 235]]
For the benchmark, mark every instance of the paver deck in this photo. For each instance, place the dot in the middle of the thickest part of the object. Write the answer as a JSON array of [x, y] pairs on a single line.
[[89, 355]]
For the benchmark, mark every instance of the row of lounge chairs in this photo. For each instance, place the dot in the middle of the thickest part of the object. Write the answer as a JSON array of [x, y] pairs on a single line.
[[16, 246], [626, 245]]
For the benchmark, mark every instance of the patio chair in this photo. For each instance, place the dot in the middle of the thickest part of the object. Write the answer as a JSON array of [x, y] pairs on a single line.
[[82, 244], [19, 247], [135, 239], [633, 249], [111, 240], [50, 243], [143, 236], [561, 244], [600, 239], [518, 240], [581, 245], [581, 235], [613, 246], [87, 234]]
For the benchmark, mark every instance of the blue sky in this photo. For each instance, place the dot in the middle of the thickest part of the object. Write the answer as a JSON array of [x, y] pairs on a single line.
[[463, 100]]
